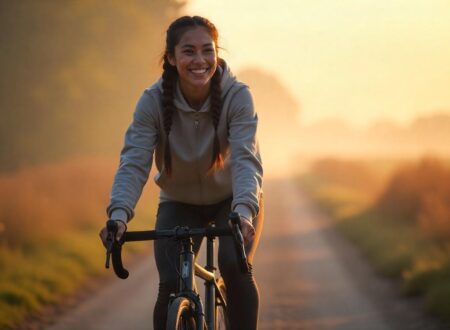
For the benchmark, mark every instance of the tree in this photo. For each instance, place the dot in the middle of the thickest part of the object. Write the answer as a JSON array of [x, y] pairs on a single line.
[[72, 72]]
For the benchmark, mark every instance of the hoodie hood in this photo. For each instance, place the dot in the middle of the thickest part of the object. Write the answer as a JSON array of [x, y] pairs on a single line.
[[228, 79]]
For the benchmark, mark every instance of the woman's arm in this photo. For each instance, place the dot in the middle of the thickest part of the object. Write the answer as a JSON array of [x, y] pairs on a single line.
[[135, 160], [246, 166]]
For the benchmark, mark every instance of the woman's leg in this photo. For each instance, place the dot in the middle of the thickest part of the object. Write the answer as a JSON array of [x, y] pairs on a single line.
[[242, 291], [167, 251]]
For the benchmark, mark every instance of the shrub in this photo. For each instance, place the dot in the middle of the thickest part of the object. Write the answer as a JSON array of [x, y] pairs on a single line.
[[419, 194]]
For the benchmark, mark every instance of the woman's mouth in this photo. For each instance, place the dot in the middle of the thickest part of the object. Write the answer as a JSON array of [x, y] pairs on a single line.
[[199, 71]]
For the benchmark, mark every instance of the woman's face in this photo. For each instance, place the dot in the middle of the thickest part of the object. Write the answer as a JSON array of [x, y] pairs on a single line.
[[195, 58]]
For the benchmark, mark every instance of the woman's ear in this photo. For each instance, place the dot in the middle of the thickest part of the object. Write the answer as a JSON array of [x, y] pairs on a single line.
[[171, 59]]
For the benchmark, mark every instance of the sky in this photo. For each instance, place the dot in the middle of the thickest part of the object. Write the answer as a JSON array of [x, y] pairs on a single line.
[[358, 60]]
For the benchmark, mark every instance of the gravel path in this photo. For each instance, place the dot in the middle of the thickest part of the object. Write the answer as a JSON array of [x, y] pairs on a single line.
[[309, 278]]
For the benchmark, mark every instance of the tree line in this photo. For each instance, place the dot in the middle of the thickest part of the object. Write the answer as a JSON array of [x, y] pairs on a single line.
[[72, 72]]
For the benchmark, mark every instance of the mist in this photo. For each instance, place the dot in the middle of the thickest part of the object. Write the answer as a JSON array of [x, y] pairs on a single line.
[[72, 73]]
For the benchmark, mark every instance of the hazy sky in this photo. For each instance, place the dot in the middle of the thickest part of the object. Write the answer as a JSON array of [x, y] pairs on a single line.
[[361, 60]]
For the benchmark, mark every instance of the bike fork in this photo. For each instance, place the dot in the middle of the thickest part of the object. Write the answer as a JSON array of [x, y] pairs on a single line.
[[210, 297], [186, 264], [187, 284]]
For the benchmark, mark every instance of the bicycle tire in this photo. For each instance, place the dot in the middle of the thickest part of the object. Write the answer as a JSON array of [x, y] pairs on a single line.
[[222, 321], [180, 315]]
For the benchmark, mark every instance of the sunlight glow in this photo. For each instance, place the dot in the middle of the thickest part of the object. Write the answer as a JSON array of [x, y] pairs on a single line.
[[356, 60]]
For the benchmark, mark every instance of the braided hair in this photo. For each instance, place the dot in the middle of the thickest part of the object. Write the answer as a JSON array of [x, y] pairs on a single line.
[[169, 79]]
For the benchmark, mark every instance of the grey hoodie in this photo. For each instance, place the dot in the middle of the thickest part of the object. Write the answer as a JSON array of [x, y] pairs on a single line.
[[191, 142]]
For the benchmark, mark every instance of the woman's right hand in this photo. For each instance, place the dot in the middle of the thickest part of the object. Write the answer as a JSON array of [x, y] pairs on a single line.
[[120, 231]]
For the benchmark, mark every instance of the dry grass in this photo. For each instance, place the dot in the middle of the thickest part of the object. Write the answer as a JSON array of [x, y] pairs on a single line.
[[402, 225], [50, 217], [352, 174], [48, 200], [346, 187], [419, 194], [45, 201]]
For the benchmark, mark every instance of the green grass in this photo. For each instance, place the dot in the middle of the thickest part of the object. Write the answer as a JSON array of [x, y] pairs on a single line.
[[390, 250], [37, 275], [50, 216], [395, 249], [34, 277], [437, 299], [337, 200]]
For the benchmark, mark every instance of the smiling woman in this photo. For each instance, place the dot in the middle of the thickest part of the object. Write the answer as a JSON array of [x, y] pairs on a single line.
[[195, 58], [199, 122]]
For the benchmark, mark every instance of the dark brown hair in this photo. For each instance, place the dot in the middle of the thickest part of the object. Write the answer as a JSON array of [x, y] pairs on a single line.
[[169, 79]]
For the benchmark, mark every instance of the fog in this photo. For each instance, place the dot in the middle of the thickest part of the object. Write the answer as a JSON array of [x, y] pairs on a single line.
[[349, 80]]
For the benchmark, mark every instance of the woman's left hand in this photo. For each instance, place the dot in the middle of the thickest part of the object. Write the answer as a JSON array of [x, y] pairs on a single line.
[[248, 231]]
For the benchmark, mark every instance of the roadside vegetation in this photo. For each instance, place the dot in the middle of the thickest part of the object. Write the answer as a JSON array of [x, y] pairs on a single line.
[[50, 216], [398, 213]]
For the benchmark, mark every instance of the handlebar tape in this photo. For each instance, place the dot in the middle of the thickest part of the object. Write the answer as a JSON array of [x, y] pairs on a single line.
[[116, 251]]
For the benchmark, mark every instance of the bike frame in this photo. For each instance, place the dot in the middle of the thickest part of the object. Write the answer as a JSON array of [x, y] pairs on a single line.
[[188, 267], [213, 296]]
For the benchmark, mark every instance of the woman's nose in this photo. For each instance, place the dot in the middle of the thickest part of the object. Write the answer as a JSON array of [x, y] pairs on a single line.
[[199, 58]]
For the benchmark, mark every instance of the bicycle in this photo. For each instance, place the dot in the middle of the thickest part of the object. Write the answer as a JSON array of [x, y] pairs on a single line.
[[185, 309]]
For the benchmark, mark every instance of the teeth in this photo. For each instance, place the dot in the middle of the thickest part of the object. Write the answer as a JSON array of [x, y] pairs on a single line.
[[199, 70]]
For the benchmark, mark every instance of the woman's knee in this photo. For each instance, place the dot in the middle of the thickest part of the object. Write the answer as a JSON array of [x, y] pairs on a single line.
[[232, 273]]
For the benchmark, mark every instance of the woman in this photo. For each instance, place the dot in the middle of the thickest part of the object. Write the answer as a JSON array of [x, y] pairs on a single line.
[[200, 124]]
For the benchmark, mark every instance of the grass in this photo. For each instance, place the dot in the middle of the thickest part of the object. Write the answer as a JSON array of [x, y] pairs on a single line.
[[400, 251], [32, 278], [390, 250], [407, 248], [46, 273], [50, 217]]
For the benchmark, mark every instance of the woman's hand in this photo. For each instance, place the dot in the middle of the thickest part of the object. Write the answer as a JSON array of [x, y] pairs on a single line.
[[120, 231], [247, 229]]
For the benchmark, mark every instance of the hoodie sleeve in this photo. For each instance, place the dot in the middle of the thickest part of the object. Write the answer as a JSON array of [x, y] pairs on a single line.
[[246, 166], [135, 160]]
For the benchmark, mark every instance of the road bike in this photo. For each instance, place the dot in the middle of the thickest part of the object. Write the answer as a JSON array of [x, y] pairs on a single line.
[[186, 309]]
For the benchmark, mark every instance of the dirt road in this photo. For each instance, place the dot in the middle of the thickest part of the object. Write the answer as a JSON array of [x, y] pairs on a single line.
[[309, 278]]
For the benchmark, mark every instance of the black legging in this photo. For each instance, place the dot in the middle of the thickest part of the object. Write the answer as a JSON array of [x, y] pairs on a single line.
[[242, 291]]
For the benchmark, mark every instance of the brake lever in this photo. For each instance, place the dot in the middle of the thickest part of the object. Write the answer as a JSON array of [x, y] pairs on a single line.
[[114, 248], [109, 247], [239, 241], [110, 238]]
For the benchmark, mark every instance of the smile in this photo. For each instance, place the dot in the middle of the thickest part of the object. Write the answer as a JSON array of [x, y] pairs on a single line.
[[199, 71]]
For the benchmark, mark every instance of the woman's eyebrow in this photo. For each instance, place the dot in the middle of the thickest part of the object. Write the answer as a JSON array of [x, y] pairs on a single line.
[[210, 44]]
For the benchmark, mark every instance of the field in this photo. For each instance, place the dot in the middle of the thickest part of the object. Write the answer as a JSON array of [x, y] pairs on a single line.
[[398, 213], [50, 217]]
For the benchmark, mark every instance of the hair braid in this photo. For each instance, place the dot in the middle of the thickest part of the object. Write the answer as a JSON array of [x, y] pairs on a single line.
[[168, 83], [170, 76], [215, 110]]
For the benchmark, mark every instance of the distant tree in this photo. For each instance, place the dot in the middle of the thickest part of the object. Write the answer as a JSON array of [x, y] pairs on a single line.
[[71, 73]]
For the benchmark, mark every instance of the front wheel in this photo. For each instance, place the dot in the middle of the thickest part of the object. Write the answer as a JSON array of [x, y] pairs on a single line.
[[180, 315]]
